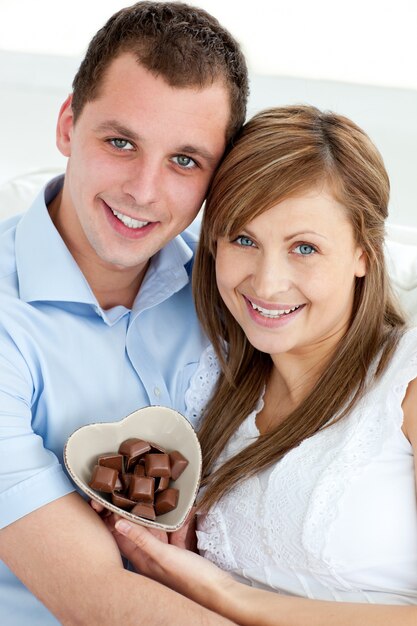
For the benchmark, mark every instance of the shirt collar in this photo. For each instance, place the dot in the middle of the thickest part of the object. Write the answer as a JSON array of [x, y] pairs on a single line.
[[46, 269], [48, 272], [166, 274]]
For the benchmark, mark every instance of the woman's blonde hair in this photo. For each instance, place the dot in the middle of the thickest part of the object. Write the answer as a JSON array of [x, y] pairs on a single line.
[[279, 153]]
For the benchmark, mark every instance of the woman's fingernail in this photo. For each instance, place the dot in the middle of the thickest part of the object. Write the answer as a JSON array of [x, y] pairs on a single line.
[[123, 527]]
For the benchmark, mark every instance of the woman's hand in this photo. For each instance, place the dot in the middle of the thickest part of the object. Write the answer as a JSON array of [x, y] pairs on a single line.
[[181, 570], [184, 538], [127, 548]]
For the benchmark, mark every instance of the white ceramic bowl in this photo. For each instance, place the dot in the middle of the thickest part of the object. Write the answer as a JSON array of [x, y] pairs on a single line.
[[157, 424]]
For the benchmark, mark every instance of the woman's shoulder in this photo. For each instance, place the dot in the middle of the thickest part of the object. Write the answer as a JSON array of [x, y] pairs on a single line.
[[408, 339], [403, 362], [395, 390], [407, 368]]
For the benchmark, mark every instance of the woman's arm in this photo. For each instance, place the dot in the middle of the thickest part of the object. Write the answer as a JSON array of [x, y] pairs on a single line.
[[409, 407], [203, 582]]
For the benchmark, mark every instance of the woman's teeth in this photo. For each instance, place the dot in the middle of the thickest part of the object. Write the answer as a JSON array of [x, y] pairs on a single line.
[[274, 312], [129, 221]]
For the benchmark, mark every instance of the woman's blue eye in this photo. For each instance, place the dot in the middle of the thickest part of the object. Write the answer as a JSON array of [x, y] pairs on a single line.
[[121, 144], [244, 241], [184, 161], [305, 249]]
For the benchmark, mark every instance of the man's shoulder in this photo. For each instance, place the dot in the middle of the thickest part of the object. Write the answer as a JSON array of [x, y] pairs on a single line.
[[7, 253], [8, 224]]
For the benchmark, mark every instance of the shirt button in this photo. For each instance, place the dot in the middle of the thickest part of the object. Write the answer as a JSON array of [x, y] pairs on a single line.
[[157, 392]]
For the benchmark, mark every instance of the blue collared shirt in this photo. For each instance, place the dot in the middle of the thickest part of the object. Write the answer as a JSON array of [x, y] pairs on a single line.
[[65, 362]]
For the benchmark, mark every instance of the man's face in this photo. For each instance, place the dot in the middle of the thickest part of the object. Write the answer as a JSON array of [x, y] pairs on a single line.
[[141, 156]]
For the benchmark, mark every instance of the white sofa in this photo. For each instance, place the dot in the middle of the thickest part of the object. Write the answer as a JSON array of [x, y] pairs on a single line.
[[401, 243]]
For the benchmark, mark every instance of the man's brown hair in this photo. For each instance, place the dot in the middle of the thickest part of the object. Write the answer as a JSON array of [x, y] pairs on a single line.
[[183, 44]]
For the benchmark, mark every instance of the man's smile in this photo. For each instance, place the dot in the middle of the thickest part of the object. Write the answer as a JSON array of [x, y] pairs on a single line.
[[130, 222]]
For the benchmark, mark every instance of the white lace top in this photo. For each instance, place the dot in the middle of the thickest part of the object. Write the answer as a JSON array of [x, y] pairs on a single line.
[[336, 518]]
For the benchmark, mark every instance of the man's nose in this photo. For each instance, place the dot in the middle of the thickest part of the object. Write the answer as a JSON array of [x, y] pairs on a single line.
[[143, 180]]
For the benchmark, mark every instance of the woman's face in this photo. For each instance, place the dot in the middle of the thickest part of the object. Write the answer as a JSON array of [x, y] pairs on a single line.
[[288, 277]]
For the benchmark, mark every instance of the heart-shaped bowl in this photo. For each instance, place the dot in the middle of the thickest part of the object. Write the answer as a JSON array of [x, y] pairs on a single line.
[[157, 424]]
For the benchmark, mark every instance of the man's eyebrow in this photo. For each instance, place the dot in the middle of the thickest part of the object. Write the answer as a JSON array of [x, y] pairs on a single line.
[[197, 151], [116, 128]]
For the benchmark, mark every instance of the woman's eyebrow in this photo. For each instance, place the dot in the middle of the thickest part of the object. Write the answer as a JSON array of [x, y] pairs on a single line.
[[304, 233]]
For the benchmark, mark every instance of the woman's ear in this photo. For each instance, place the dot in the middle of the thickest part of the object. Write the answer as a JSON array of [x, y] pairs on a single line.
[[65, 127], [361, 262]]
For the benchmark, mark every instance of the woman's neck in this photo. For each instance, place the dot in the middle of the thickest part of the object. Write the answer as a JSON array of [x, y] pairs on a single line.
[[292, 378]]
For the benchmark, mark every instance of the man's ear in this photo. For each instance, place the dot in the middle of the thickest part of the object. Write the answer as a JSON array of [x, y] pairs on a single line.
[[65, 127]]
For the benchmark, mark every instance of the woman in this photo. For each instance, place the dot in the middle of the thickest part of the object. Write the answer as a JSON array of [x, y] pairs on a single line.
[[310, 422]]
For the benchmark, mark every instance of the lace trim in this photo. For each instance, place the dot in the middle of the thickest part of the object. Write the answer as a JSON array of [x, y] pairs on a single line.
[[213, 543], [363, 433], [294, 529], [353, 442], [201, 385]]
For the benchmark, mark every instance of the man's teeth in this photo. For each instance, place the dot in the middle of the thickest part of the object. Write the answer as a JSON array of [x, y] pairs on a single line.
[[129, 221], [274, 312]]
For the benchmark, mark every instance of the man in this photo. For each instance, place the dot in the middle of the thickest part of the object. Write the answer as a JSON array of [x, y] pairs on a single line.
[[96, 317]]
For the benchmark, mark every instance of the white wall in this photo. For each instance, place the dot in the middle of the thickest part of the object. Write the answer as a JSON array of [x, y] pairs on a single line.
[[32, 87]]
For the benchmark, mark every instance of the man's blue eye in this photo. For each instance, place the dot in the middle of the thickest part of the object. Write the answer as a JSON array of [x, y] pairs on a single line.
[[121, 144], [305, 249], [244, 241], [184, 161]]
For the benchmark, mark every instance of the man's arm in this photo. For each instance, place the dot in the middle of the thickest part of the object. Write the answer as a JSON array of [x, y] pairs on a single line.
[[65, 556]]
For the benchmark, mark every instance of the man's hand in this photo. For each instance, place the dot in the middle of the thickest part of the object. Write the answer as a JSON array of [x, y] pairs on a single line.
[[185, 537]]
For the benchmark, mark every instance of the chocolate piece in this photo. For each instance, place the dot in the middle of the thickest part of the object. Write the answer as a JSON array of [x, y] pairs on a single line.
[[138, 477], [166, 501], [157, 465], [119, 485], [156, 448], [141, 488], [139, 470], [103, 478], [142, 509], [133, 448], [178, 464], [161, 483], [126, 478], [122, 502], [115, 461]]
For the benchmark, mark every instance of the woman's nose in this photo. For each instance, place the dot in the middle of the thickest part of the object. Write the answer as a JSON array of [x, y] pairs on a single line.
[[272, 277]]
